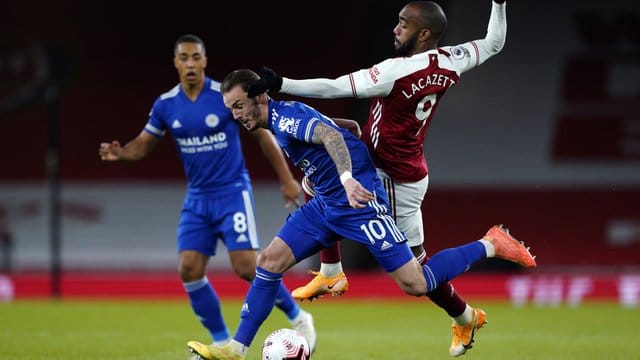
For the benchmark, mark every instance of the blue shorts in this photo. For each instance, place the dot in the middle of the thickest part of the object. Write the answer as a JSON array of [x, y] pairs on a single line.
[[228, 216], [315, 226]]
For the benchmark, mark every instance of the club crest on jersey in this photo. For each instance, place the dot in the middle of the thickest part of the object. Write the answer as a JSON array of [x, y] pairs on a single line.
[[459, 52], [288, 125], [212, 120]]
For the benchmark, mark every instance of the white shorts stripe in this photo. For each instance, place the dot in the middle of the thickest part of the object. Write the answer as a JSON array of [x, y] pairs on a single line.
[[382, 214], [251, 220], [389, 187]]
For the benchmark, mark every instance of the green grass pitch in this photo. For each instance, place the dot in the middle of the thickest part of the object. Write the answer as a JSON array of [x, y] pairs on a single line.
[[347, 329]]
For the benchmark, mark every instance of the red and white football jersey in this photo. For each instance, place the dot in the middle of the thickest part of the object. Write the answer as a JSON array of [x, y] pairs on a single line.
[[405, 93], [398, 122]]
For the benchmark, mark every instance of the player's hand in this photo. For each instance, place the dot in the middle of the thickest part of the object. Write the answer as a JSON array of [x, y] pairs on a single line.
[[269, 80], [357, 195], [291, 191], [354, 128], [110, 151]]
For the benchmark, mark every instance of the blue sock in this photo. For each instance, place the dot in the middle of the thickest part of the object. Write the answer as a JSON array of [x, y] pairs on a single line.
[[286, 303], [257, 304], [449, 263], [206, 305]]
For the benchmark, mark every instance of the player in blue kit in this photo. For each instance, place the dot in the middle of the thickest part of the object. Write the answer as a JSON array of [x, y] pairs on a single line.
[[405, 93], [350, 203], [219, 201]]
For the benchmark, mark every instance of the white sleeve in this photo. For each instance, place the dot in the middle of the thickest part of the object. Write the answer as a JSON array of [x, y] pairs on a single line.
[[318, 88], [377, 80], [471, 54]]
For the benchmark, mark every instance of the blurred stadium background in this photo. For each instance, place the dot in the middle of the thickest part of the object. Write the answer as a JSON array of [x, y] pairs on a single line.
[[545, 138]]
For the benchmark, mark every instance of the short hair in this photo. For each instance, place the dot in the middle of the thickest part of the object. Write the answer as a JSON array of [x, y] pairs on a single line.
[[189, 38], [243, 77], [432, 17]]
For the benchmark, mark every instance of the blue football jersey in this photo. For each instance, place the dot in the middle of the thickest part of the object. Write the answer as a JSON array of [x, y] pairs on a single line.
[[206, 136], [293, 124]]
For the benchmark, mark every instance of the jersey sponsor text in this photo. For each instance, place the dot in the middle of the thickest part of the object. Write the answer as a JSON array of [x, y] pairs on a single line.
[[205, 143]]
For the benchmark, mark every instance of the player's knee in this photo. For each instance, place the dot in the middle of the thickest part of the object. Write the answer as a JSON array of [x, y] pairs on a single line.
[[271, 261], [415, 289], [246, 273], [243, 263], [190, 272], [415, 286], [266, 261], [192, 265]]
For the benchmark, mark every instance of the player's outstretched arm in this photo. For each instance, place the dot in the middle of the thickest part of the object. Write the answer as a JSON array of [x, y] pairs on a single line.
[[134, 150], [473, 53], [314, 88], [496, 29], [291, 189]]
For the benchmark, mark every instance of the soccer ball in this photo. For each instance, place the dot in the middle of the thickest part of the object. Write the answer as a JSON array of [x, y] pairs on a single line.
[[285, 344]]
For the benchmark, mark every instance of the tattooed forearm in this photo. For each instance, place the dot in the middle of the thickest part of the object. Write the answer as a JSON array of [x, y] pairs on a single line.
[[335, 145]]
